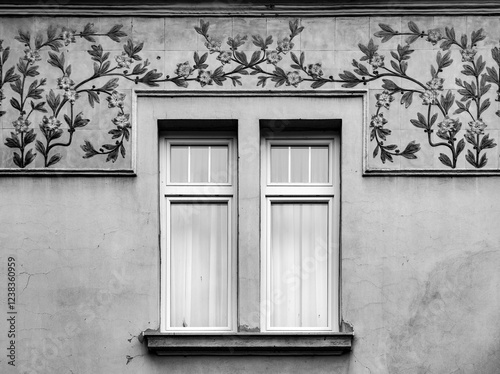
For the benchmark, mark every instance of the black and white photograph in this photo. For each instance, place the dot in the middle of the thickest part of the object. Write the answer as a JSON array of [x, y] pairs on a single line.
[[250, 187]]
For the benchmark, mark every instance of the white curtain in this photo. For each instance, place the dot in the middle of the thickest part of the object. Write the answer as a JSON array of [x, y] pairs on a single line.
[[299, 265], [199, 265]]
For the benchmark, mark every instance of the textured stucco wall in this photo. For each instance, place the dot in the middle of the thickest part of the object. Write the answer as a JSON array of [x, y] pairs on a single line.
[[420, 255]]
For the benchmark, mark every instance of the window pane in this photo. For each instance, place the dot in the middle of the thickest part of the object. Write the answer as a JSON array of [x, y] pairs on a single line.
[[199, 164], [299, 265], [218, 164], [319, 164], [279, 164], [300, 165], [179, 163], [199, 265]]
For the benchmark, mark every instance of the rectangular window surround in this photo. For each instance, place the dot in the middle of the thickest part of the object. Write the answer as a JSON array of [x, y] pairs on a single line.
[[248, 342]]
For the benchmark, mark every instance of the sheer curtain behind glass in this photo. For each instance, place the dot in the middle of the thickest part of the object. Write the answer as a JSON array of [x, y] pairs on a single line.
[[199, 265], [299, 265]]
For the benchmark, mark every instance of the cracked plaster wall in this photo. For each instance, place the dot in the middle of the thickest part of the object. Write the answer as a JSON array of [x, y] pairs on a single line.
[[420, 256]]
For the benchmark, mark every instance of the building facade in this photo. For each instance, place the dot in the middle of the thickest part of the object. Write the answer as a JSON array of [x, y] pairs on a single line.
[[250, 187]]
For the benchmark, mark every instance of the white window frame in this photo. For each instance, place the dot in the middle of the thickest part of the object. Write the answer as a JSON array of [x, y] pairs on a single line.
[[193, 193], [302, 192]]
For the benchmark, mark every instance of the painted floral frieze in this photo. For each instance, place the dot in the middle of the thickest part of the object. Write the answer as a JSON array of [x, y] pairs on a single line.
[[47, 112], [62, 104]]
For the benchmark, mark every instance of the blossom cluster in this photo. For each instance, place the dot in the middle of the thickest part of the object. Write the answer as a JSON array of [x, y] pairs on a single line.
[[434, 36], [51, 124], [377, 61], [468, 54], [378, 120], [116, 100], [68, 85], [183, 70], [476, 127], [273, 57], [204, 77], [124, 60], [431, 95], [384, 99], [285, 45], [315, 70], [21, 125], [122, 120], [448, 128], [68, 36], [32, 55], [293, 78]]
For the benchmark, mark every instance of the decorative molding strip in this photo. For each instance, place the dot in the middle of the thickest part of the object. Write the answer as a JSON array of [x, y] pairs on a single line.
[[254, 93], [67, 172], [252, 8]]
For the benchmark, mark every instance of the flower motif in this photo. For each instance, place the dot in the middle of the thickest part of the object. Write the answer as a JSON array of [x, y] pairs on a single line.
[[378, 120], [436, 84], [122, 120], [204, 77], [68, 37], [50, 123], [213, 45], [273, 57], [448, 128], [184, 69], [429, 97], [434, 36], [293, 78], [476, 127], [314, 70], [225, 57], [65, 83], [124, 60], [116, 99], [32, 55], [377, 61], [71, 95], [468, 54], [384, 99], [21, 125], [284, 45]]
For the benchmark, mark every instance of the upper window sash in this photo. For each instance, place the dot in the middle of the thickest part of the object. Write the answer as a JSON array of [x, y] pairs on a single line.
[[305, 154], [213, 159]]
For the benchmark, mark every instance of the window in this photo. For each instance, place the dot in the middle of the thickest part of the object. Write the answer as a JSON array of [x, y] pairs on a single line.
[[249, 220], [198, 188], [300, 233]]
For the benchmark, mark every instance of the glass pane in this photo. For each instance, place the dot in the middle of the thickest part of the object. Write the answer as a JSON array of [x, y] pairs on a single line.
[[199, 164], [179, 164], [319, 164], [279, 164], [299, 265], [300, 165], [199, 265], [218, 164]]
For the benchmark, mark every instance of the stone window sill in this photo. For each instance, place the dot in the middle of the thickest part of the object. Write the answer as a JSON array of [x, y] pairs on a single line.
[[247, 344]]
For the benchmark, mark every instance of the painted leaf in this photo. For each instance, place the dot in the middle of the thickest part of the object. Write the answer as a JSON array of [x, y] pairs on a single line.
[[445, 160], [54, 159]]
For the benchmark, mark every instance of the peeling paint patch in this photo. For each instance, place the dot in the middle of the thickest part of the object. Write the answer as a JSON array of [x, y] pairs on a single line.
[[346, 326], [246, 328]]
